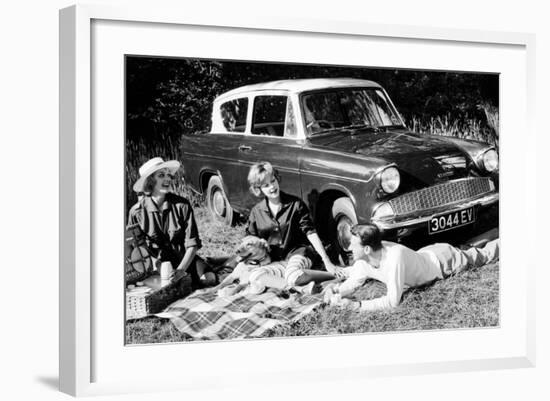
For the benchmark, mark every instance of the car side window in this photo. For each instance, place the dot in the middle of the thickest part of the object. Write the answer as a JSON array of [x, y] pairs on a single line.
[[269, 115], [291, 130], [233, 114]]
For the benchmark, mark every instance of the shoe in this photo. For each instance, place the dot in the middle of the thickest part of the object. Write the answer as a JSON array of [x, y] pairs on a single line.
[[305, 289], [208, 279]]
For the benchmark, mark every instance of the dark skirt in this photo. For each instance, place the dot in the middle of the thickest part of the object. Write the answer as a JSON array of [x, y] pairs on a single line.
[[196, 269]]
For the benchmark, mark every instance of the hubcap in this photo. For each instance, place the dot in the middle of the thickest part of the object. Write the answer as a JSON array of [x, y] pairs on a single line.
[[218, 203]]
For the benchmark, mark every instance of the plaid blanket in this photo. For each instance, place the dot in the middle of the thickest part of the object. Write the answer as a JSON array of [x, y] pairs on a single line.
[[204, 315]]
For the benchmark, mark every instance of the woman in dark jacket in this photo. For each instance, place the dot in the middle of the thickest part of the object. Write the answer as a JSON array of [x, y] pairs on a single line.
[[284, 222], [168, 222]]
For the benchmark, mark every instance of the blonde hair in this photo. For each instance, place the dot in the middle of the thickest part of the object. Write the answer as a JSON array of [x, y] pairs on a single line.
[[149, 184], [258, 174]]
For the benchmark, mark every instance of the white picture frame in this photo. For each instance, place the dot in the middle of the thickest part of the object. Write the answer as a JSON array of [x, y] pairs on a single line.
[[91, 40]]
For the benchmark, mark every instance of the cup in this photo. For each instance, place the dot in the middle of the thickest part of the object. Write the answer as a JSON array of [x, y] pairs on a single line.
[[166, 270]]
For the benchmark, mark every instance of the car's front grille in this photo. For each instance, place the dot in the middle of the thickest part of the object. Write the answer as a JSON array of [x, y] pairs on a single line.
[[441, 194]]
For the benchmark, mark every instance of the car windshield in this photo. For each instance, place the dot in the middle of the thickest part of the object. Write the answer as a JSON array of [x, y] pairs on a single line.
[[348, 108]]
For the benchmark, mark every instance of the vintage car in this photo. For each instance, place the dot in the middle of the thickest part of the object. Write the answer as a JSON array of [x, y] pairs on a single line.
[[342, 147]]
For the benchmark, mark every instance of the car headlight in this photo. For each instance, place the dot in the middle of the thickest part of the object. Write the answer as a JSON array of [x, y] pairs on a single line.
[[382, 211], [390, 180], [489, 160]]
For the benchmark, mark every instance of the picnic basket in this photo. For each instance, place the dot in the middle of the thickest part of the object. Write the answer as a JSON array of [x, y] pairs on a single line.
[[155, 295], [138, 261]]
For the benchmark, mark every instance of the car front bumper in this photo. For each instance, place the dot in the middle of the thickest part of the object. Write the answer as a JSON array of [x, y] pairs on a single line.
[[421, 218]]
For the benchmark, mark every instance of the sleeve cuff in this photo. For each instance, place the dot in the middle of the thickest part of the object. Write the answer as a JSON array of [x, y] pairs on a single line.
[[311, 231], [193, 242]]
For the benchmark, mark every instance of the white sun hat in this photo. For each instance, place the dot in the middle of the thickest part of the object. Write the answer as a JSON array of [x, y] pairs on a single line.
[[150, 166]]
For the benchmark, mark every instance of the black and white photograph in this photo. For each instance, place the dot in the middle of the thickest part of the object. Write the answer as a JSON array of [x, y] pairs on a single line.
[[237, 200], [283, 200]]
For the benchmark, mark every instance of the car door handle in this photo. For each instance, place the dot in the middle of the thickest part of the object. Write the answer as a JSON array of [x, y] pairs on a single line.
[[244, 148]]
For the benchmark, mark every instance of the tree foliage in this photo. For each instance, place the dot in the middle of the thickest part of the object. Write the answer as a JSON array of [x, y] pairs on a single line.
[[171, 96]]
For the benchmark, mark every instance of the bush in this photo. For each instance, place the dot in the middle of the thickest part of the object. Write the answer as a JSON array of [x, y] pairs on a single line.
[[464, 128], [138, 151]]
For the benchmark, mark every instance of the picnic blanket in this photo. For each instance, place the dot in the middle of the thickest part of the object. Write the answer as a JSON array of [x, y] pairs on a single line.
[[204, 315]]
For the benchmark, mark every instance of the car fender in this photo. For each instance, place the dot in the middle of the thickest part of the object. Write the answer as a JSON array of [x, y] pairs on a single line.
[[219, 173], [340, 188], [210, 172]]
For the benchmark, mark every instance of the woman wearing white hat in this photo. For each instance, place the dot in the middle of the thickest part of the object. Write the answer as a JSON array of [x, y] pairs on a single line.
[[168, 222]]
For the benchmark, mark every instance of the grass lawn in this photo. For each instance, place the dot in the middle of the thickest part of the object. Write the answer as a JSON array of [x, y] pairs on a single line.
[[470, 299]]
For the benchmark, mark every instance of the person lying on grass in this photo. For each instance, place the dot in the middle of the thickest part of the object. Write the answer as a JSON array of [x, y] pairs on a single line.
[[400, 267], [255, 272], [284, 222]]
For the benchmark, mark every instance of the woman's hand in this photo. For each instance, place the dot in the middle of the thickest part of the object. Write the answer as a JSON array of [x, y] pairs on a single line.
[[340, 273], [329, 266], [318, 245], [337, 271], [178, 274]]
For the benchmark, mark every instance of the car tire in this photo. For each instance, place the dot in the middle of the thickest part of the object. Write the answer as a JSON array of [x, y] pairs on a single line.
[[343, 218], [217, 203]]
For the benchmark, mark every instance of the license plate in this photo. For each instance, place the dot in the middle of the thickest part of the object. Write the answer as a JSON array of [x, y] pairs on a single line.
[[448, 221]]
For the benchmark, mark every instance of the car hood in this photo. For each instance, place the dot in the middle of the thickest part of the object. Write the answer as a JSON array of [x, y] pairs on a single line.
[[426, 158]]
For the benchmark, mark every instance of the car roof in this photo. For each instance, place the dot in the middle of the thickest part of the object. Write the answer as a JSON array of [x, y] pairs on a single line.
[[301, 85]]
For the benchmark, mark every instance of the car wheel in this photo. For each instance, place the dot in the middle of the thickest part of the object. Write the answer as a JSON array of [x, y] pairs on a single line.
[[217, 202], [343, 216]]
